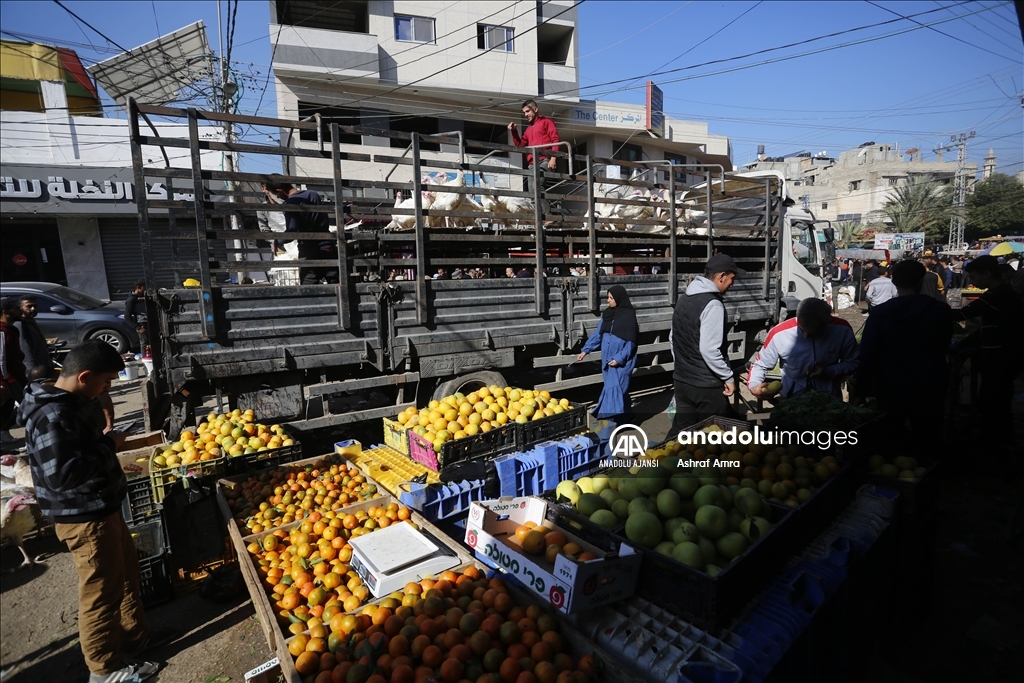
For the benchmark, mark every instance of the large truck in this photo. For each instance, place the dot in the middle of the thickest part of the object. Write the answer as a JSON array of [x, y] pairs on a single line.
[[323, 356]]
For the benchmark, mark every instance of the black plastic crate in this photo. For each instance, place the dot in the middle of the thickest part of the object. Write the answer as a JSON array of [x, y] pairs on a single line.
[[261, 460], [154, 580], [916, 503], [563, 514], [822, 508], [552, 428], [138, 505], [711, 602], [464, 458]]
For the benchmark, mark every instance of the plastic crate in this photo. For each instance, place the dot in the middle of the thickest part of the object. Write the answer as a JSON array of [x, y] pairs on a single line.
[[712, 602], [725, 423], [163, 477], [154, 583], [260, 460], [553, 427], [437, 502], [389, 468], [149, 538], [705, 666], [917, 498], [138, 505], [521, 474], [396, 435], [578, 456], [821, 509], [463, 458]]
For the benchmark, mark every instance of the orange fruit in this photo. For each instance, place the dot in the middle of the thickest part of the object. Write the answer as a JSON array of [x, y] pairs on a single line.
[[533, 542], [307, 663]]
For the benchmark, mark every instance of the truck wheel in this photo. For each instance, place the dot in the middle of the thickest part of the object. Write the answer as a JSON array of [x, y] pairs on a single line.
[[468, 383]]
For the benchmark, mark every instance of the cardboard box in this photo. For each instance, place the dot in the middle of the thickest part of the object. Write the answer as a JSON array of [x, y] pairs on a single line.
[[135, 452], [570, 586]]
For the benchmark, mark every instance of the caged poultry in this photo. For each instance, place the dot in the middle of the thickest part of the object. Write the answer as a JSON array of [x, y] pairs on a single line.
[[19, 511]]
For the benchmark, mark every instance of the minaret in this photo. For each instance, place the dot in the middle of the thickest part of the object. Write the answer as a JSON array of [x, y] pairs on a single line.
[[990, 165]]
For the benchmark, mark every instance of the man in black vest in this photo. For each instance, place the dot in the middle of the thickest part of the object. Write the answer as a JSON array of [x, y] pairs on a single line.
[[702, 377]]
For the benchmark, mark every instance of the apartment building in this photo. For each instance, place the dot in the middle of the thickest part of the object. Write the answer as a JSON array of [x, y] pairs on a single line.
[[856, 185]]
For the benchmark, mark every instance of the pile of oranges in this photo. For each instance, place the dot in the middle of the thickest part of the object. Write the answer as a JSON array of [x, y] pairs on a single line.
[[289, 493], [459, 627], [459, 416], [231, 434], [543, 540], [306, 569]]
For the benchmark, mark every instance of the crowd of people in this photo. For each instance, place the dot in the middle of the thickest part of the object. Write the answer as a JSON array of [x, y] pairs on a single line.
[[901, 363]]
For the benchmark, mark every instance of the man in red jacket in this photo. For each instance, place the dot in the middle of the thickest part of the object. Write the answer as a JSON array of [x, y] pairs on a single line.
[[541, 131]]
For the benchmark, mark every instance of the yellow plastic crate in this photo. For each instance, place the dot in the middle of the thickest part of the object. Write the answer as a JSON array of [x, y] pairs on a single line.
[[396, 435], [389, 468]]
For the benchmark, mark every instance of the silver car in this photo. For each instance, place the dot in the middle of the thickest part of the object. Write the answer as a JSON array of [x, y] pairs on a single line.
[[73, 316]]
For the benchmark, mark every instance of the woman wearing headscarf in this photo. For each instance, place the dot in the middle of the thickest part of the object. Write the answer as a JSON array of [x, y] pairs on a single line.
[[616, 336]]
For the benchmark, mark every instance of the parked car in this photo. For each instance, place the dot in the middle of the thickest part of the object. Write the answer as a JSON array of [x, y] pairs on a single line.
[[73, 316]]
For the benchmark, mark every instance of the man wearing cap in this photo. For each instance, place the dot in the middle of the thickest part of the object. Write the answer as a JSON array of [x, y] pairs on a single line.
[[815, 351], [702, 377]]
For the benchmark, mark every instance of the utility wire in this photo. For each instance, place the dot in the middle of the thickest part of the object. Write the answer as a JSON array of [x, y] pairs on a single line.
[[941, 33], [96, 30]]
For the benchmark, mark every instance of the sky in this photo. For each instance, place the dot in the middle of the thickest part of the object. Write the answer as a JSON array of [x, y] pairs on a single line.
[[902, 84]]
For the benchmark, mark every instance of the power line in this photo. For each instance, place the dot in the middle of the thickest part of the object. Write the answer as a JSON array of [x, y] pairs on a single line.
[[978, 28], [96, 30], [942, 33], [634, 35]]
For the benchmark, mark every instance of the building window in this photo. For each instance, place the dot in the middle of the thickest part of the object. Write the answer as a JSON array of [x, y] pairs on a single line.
[[417, 124], [486, 132], [824, 205], [414, 29], [854, 185], [893, 182], [494, 38], [329, 115], [351, 17], [627, 152], [680, 173]]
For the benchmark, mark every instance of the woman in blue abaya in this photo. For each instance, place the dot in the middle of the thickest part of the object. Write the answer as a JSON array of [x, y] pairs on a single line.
[[616, 336]]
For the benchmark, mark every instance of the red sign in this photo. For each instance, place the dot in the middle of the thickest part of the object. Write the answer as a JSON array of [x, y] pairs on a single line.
[[20, 259]]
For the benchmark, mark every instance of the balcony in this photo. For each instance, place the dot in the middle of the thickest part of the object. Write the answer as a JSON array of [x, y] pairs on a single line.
[[558, 82], [554, 12], [306, 52]]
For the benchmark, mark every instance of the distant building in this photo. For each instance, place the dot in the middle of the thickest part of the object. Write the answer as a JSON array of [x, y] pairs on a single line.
[[989, 167], [855, 186]]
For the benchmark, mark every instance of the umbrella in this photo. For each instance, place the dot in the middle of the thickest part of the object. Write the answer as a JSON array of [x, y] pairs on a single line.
[[1006, 248]]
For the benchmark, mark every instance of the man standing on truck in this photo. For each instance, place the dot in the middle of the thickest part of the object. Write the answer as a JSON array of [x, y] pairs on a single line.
[[702, 377], [541, 131], [308, 222]]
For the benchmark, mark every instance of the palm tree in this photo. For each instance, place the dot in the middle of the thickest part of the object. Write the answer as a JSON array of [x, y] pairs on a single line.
[[920, 205], [848, 233]]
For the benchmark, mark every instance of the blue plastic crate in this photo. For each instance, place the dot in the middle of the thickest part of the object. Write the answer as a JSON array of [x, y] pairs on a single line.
[[704, 666], [522, 474], [577, 457], [437, 502]]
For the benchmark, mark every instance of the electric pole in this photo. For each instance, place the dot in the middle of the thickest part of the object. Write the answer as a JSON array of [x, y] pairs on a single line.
[[956, 222]]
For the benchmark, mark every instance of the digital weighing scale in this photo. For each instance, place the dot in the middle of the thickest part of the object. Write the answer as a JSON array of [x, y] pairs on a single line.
[[389, 558]]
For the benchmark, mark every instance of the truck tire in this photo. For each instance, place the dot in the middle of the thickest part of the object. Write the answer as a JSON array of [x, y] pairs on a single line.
[[468, 383]]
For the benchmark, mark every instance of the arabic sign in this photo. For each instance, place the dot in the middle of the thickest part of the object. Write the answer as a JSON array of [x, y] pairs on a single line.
[[655, 110], [905, 241], [77, 190], [587, 113], [20, 259]]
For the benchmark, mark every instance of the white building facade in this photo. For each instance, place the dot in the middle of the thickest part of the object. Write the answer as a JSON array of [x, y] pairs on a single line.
[[439, 67]]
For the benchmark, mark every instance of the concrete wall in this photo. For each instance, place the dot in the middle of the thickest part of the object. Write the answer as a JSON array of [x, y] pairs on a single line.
[[83, 255]]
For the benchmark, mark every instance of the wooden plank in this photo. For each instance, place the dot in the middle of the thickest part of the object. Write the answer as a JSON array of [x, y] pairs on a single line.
[[332, 388]]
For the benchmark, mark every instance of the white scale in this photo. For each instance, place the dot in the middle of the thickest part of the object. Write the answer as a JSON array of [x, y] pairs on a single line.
[[389, 558]]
